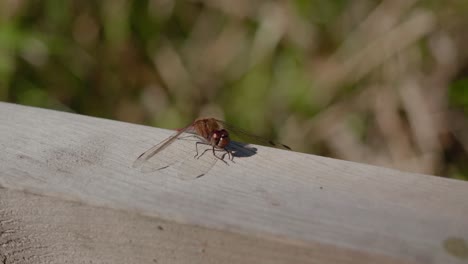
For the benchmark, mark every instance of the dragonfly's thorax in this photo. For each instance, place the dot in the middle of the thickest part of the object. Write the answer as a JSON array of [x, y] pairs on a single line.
[[220, 138], [206, 127]]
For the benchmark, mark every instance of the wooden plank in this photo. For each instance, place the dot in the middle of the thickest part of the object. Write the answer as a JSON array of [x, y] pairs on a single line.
[[274, 196], [39, 229]]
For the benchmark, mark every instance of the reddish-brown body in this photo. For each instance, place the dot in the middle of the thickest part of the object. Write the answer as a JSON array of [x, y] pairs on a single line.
[[205, 126], [213, 132], [210, 130]]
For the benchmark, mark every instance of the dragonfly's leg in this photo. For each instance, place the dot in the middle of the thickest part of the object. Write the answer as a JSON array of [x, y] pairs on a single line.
[[214, 153], [203, 153], [222, 158], [196, 148], [229, 153]]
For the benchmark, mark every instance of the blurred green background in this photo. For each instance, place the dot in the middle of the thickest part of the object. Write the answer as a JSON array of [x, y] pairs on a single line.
[[378, 82]]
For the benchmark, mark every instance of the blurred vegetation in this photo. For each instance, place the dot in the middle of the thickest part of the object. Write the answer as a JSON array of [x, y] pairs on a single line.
[[380, 82]]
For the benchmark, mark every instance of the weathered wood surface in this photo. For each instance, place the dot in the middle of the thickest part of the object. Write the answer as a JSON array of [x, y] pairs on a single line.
[[68, 193]]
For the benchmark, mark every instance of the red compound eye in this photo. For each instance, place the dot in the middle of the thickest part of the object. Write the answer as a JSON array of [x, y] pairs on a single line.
[[220, 138]]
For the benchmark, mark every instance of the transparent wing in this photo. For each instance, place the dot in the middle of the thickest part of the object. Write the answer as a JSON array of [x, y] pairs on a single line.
[[176, 156], [145, 156], [193, 167], [249, 137]]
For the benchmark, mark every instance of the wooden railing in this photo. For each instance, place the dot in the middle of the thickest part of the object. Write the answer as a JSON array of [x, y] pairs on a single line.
[[69, 194]]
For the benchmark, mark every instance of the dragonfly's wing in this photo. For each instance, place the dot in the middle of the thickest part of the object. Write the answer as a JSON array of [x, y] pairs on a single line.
[[249, 137], [195, 167], [145, 156], [176, 156]]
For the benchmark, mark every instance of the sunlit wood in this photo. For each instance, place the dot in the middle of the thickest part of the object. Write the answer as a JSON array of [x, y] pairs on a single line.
[[69, 193]]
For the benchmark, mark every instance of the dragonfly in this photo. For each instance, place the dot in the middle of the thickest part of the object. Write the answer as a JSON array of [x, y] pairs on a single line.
[[211, 133]]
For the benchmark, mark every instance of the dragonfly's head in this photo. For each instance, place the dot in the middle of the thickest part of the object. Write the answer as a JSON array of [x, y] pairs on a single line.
[[220, 138]]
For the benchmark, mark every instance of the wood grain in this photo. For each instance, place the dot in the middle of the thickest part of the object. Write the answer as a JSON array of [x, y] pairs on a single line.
[[49, 230], [68, 175]]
